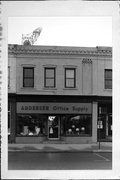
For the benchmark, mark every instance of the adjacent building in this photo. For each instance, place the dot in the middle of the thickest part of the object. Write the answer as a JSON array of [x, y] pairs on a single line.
[[59, 94]]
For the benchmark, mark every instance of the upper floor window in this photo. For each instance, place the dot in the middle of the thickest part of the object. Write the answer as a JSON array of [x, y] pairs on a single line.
[[49, 81], [28, 77], [108, 79], [70, 79]]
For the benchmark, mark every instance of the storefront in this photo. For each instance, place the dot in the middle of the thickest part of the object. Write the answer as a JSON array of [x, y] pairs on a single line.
[[58, 119], [105, 116], [39, 122]]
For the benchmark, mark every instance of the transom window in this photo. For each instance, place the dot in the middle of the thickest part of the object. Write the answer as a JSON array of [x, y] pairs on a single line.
[[108, 79], [70, 81], [49, 81], [28, 77]]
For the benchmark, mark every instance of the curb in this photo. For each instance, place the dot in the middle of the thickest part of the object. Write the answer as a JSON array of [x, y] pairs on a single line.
[[100, 150], [63, 151]]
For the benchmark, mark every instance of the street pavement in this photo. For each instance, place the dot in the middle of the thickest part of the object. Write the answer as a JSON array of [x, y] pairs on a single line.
[[59, 161], [60, 156]]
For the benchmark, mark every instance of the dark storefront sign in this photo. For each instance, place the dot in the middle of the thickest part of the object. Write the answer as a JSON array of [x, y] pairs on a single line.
[[54, 108]]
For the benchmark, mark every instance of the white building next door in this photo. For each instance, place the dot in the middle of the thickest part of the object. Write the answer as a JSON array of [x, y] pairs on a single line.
[[53, 127]]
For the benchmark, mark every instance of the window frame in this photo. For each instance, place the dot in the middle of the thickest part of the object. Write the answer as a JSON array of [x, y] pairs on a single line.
[[107, 79], [46, 78], [28, 77], [65, 85]]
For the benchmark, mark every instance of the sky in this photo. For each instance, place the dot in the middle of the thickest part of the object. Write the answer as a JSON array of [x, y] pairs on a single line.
[[63, 31]]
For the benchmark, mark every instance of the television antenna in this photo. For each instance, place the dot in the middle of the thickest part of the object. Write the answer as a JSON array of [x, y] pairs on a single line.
[[31, 38]]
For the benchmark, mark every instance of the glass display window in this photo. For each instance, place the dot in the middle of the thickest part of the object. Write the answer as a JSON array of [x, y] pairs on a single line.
[[38, 124], [31, 125], [76, 125]]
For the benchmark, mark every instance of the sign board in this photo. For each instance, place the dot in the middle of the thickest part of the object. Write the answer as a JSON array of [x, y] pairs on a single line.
[[100, 126], [54, 108]]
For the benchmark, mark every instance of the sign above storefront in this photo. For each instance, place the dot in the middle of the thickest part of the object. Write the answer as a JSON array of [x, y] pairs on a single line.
[[54, 108]]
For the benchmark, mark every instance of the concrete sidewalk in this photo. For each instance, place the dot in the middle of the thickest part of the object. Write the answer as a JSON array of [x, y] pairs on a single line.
[[104, 147]]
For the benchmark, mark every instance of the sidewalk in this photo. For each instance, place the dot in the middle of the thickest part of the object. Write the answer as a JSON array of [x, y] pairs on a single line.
[[104, 147]]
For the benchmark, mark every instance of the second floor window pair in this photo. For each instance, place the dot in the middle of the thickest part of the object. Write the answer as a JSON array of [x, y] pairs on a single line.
[[49, 77]]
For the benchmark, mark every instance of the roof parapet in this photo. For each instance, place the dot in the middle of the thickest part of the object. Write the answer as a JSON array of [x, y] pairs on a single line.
[[65, 50]]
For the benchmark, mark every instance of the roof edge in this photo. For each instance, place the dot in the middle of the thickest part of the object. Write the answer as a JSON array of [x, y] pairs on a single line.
[[16, 49]]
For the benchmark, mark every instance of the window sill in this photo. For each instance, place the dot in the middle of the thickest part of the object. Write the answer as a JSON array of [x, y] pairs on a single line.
[[28, 88], [49, 88], [107, 89], [70, 88]]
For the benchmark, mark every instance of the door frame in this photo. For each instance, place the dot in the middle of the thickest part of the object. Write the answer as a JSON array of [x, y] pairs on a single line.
[[58, 138]]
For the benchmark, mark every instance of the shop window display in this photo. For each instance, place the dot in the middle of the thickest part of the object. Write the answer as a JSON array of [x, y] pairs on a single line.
[[31, 125], [77, 125], [70, 125]]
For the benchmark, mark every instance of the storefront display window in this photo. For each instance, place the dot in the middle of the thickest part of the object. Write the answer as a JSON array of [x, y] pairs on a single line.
[[76, 125], [31, 125], [68, 125]]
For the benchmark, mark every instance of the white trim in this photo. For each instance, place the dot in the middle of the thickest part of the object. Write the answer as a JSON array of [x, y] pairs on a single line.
[[28, 65], [50, 65], [70, 66]]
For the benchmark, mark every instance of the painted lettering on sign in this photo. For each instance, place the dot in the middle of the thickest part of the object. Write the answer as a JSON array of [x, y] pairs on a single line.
[[52, 108], [35, 108], [80, 109], [60, 108]]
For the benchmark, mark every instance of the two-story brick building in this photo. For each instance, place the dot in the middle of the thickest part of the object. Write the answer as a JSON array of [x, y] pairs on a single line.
[[59, 93]]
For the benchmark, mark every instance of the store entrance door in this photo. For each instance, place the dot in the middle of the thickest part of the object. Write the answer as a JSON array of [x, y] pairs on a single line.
[[53, 127]]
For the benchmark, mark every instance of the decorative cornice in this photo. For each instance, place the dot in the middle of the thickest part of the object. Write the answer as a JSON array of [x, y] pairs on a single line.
[[60, 50]]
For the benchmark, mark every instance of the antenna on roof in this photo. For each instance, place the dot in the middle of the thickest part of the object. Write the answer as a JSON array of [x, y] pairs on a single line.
[[30, 39]]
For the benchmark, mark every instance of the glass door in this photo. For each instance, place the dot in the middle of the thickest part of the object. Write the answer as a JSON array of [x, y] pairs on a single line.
[[53, 127]]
